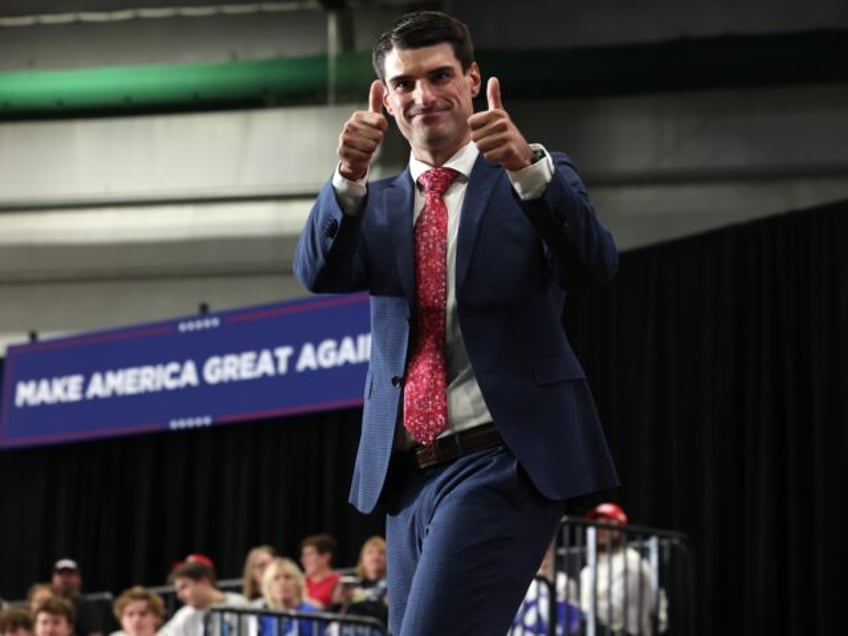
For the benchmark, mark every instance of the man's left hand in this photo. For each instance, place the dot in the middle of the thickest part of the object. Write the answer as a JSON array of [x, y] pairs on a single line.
[[497, 138]]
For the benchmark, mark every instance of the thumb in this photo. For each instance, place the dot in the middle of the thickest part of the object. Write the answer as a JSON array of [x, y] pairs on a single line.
[[375, 97], [493, 93]]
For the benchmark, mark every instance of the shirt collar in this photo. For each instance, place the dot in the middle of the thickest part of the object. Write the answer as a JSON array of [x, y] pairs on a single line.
[[462, 162]]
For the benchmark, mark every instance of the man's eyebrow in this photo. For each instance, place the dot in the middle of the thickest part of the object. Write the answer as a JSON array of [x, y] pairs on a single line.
[[447, 68]]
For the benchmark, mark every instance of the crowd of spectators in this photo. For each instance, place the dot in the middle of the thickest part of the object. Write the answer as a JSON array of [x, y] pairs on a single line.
[[278, 584], [278, 595]]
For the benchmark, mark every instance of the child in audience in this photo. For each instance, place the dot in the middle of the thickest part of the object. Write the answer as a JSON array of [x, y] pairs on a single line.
[[139, 611], [54, 617], [15, 622]]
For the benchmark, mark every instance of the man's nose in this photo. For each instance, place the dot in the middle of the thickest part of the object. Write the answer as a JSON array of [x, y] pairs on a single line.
[[423, 93]]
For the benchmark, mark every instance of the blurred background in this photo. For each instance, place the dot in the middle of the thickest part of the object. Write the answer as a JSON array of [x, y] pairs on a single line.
[[158, 157]]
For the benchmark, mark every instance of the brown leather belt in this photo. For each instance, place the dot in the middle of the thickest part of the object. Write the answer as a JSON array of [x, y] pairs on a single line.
[[447, 449]]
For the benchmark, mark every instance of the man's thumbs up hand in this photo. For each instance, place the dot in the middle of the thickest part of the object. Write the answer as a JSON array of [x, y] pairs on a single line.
[[362, 134], [497, 138]]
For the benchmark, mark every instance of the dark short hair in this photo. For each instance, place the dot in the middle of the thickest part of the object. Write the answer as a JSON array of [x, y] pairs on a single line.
[[56, 606], [323, 543], [193, 570], [424, 28]]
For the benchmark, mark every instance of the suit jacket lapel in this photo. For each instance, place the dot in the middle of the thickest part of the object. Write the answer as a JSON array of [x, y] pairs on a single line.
[[481, 185], [397, 205]]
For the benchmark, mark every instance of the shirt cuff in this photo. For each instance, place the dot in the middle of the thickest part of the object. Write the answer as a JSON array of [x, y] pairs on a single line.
[[530, 182], [350, 194]]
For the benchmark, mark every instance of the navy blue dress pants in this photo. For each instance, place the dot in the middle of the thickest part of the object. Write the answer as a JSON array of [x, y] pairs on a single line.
[[464, 541]]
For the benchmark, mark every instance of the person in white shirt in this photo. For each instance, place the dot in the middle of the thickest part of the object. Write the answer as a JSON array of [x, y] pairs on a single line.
[[195, 586], [618, 590]]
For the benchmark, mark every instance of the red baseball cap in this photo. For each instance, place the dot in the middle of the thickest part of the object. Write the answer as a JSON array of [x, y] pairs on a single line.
[[608, 510], [200, 558]]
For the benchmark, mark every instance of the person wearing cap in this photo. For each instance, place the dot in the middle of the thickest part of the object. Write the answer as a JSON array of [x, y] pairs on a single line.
[[67, 583], [200, 558], [195, 584], [618, 589]]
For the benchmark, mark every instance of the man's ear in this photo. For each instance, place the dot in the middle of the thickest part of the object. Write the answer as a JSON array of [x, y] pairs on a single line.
[[475, 78], [386, 101]]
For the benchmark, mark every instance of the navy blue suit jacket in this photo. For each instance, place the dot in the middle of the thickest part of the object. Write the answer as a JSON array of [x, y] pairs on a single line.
[[513, 259]]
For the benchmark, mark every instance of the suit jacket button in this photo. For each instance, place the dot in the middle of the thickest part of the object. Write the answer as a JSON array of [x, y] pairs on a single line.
[[332, 229], [397, 381]]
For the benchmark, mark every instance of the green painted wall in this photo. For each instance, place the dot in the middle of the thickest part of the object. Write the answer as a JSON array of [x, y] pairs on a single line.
[[688, 64]]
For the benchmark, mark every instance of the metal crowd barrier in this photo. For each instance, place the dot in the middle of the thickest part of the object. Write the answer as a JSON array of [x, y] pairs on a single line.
[[611, 580], [251, 621]]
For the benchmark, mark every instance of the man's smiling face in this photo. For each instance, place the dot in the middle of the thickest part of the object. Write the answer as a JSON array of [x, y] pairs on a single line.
[[431, 99]]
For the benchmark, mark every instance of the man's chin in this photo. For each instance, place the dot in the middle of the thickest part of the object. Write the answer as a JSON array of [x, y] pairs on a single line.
[[430, 132]]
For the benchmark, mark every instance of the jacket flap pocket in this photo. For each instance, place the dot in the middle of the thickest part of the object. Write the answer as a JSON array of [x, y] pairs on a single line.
[[558, 369]]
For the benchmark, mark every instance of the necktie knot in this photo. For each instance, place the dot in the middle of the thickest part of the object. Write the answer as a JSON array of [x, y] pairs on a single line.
[[437, 180]]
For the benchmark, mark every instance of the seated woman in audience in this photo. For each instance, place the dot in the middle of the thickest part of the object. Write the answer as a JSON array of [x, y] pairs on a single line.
[[365, 594], [139, 611], [54, 617], [254, 567], [282, 589], [37, 594]]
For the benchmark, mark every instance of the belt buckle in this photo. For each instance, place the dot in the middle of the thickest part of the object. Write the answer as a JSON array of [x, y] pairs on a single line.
[[427, 457], [423, 458], [444, 449]]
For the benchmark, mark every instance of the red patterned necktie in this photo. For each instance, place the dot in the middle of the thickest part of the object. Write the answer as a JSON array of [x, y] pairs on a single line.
[[425, 409]]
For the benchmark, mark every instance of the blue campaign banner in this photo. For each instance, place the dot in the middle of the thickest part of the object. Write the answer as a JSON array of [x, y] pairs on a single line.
[[258, 362]]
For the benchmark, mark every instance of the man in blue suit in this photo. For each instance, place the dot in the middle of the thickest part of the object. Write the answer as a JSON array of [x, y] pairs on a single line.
[[470, 514]]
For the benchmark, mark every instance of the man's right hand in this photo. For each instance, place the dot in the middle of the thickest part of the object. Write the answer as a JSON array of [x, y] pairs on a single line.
[[362, 134]]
